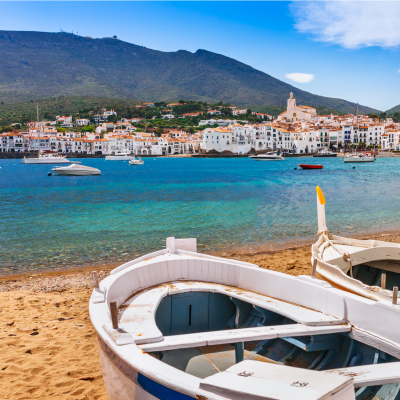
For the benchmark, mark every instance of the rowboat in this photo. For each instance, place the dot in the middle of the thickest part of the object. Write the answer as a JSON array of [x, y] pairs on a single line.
[[177, 324], [369, 268], [309, 166]]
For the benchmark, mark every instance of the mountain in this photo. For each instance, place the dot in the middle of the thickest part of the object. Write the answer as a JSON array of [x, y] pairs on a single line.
[[37, 65], [393, 109]]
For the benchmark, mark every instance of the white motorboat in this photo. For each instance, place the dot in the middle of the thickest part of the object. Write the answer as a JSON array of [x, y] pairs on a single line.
[[46, 158], [77, 170], [119, 155], [325, 153], [177, 324], [135, 161], [359, 158], [271, 156], [369, 268]]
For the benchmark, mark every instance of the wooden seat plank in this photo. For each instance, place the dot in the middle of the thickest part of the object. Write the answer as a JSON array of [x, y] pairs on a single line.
[[371, 375], [241, 335]]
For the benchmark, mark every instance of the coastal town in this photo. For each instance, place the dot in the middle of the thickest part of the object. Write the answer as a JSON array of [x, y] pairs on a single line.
[[298, 130]]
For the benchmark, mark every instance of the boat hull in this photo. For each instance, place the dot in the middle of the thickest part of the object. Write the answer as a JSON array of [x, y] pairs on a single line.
[[305, 166], [325, 155], [118, 158], [134, 162], [361, 159], [68, 171], [61, 160], [267, 158]]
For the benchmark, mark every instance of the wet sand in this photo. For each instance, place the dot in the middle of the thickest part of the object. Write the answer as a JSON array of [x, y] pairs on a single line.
[[48, 346]]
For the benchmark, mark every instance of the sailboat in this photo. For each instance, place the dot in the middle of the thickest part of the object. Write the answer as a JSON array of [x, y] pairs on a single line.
[[368, 268], [44, 158]]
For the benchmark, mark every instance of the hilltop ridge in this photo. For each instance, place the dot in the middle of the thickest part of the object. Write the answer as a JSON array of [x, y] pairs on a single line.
[[39, 65]]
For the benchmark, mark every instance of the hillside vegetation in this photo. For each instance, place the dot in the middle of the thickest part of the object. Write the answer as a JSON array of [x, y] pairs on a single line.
[[50, 107], [40, 65]]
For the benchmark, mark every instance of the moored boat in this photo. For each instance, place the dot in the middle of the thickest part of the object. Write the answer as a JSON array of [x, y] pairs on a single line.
[[119, 155], [369, 268], [77, 170], [359, 158], [310, 166], [135, 161], [325, 153], [271, 156], [177, 324], [46, 158]]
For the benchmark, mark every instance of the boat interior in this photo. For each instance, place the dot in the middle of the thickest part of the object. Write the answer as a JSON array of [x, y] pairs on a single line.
[[203, 329], [366, 261]]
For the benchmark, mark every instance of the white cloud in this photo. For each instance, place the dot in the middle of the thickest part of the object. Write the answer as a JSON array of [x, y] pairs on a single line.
[[352, 24], [300, 78]]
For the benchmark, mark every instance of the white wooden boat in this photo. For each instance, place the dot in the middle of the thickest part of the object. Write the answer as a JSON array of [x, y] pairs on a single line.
[[119, 155], [177, 324], [358, 158], [77, 170], [369, 268], [271, 156], [135, 161]]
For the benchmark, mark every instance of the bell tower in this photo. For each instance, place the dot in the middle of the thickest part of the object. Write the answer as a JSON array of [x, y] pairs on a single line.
[[291, 103]]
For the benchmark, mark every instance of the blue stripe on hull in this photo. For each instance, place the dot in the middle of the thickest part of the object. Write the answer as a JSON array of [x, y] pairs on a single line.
[[160, 391]]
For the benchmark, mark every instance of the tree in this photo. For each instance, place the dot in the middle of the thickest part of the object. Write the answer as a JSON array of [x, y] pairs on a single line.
[[169, 149], [159, 131], [88, 128], [112, 118]]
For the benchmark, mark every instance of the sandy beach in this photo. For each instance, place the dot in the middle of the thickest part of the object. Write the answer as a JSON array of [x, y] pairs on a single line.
[[48, 346]]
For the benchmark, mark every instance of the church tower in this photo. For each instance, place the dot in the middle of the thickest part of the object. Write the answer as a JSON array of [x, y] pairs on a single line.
[[291, 103]]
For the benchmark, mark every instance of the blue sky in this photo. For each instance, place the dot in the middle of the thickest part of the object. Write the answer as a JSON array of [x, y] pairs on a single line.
[[348, 50]]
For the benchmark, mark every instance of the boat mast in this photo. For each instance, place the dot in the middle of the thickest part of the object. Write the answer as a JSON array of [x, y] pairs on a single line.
[[38, 131]]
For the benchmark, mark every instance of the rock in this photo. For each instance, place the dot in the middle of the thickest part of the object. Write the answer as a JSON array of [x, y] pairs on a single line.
[[12, 334], [86, 378], [29, 352], [35, 329], [34, 333], [10, 324], [61, 319], [54, 327], [88, 335]]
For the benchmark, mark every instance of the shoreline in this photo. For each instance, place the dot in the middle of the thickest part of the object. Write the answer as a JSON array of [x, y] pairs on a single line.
[[241, 253]]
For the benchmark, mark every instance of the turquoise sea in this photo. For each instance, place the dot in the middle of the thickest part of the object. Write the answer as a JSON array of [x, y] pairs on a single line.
[[51, 222]]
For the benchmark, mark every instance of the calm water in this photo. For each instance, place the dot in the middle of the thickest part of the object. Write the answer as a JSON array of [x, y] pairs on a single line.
[[58, 221]]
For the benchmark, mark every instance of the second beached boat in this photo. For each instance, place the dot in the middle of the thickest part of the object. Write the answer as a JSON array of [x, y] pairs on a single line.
[[369, 268]]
